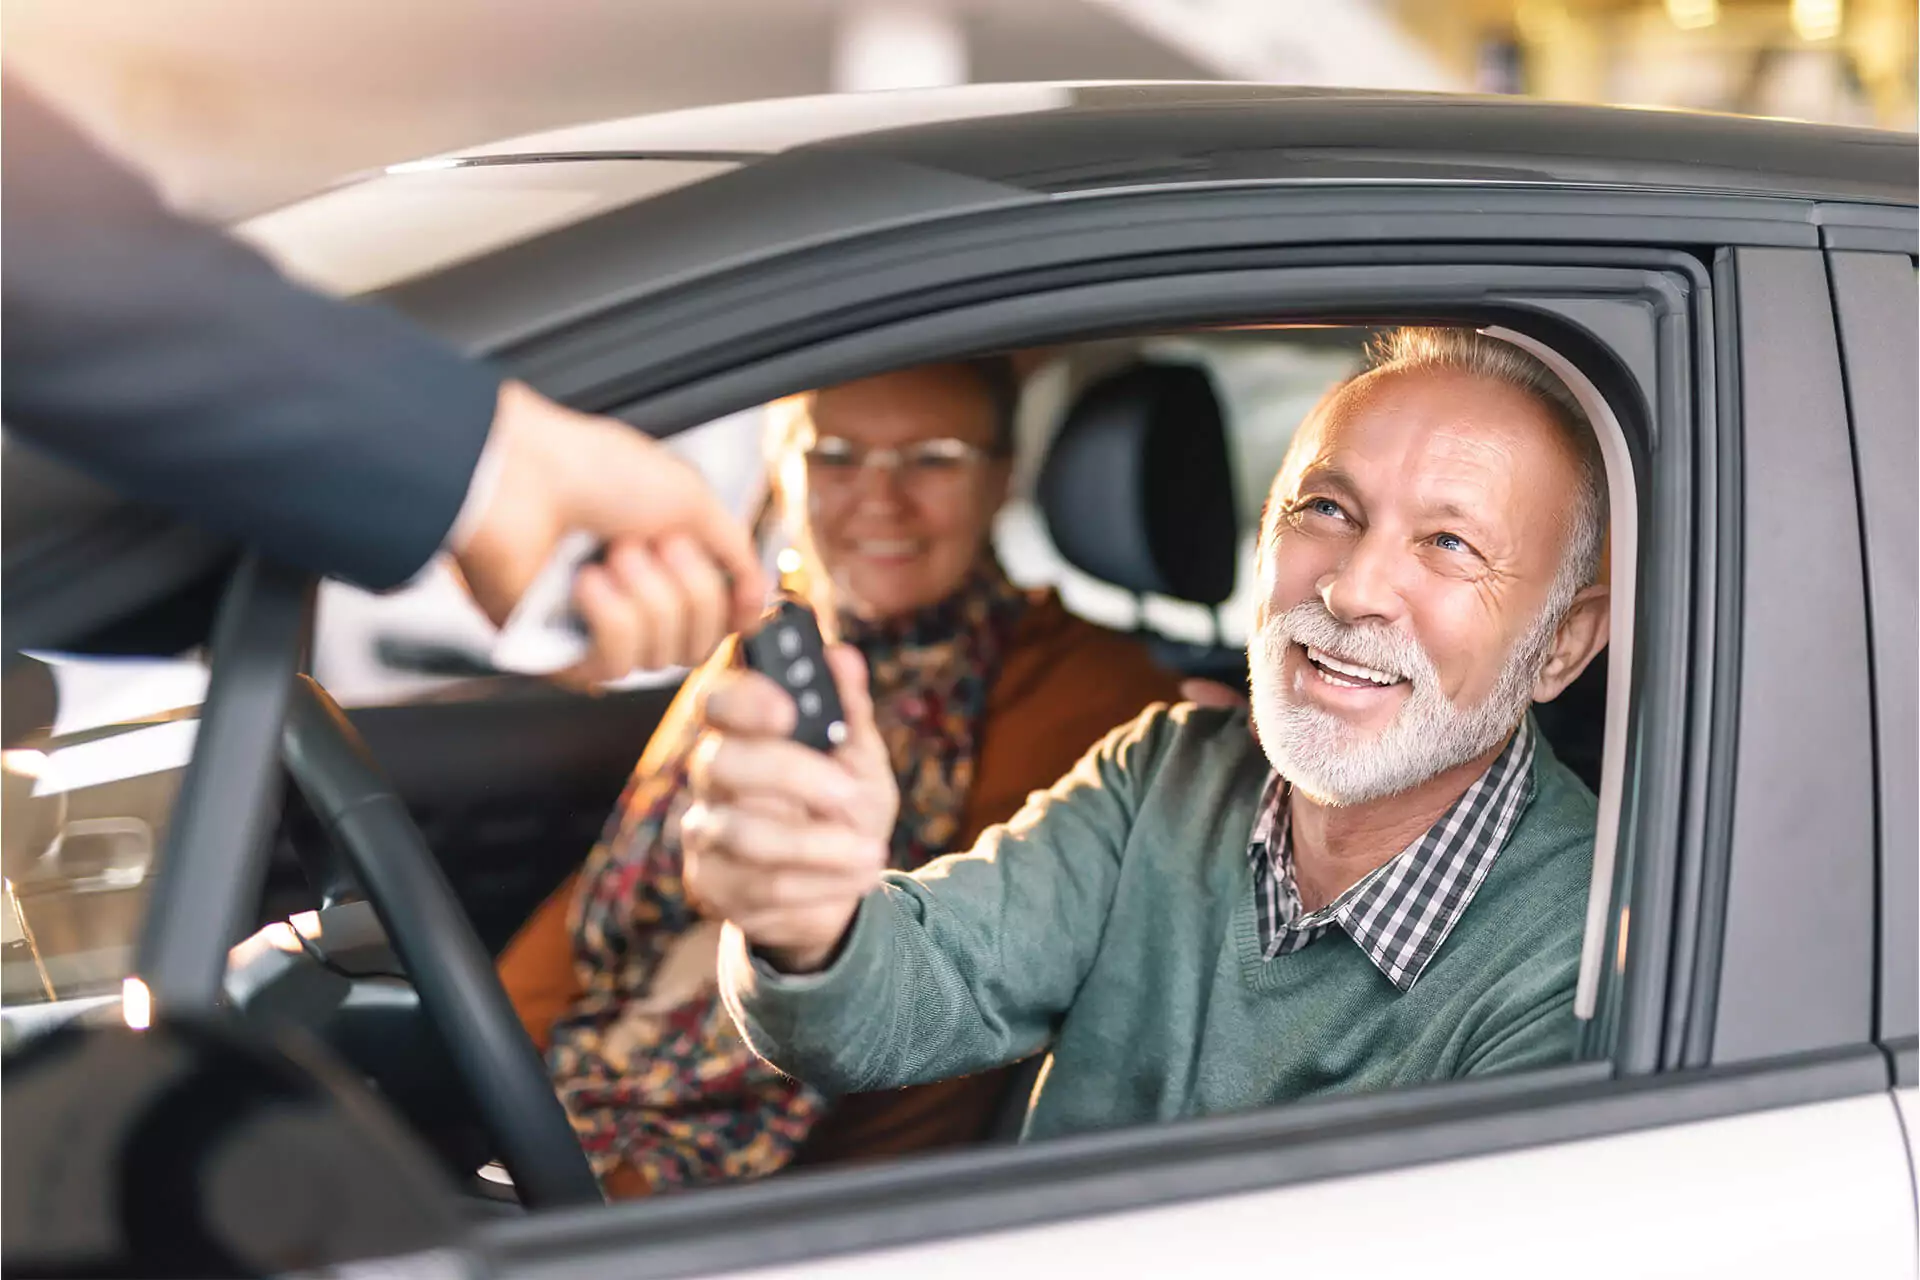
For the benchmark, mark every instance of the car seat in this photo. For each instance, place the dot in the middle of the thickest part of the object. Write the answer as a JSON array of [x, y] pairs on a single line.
[[1137, 490]]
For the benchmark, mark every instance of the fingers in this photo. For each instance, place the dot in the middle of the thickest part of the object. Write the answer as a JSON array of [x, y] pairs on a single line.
[[647, 610], [742, 835], [790, 885], [766, 894], [561, 470], [616, 628], [633, 615], [628, 485], [690, 513], [781, 839], [748, 703], [702, 589], [729, 549], [736, 768], [747, 754]]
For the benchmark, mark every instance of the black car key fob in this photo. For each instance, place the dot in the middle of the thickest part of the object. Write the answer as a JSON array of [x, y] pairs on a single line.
[[787, 647]]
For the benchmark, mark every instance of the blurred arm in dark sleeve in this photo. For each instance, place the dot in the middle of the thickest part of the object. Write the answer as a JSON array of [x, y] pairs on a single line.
[[179, 366]]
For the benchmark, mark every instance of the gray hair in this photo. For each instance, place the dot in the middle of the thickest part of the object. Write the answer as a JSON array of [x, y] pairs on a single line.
[[1461, 350]]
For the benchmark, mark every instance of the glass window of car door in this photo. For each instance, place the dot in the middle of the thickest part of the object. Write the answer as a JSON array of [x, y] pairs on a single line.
[[94, 754]]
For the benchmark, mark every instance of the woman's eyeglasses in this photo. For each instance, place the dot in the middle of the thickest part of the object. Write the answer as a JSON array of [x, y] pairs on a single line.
[[831, 459]]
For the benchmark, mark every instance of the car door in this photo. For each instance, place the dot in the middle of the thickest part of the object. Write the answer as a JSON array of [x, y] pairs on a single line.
[[1742, 1121]]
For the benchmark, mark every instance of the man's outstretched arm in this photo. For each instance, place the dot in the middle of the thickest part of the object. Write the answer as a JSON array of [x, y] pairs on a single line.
[[179, 366], [851, 980]]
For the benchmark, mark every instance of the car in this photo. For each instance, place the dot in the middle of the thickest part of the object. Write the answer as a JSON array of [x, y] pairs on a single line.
[[1733, 301]]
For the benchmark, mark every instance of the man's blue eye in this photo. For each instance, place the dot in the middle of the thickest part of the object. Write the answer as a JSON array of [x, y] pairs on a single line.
[[1450, 542], [1325, 506]]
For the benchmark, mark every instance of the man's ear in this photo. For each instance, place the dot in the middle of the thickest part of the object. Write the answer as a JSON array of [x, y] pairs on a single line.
[[1582, 635]]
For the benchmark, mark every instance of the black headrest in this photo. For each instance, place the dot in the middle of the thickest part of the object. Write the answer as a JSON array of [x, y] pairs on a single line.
[[1137, 489]]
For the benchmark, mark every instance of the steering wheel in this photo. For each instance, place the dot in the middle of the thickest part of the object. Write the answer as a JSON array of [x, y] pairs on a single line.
[[431, 934]]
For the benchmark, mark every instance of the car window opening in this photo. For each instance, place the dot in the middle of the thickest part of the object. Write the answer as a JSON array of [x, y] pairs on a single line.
[[1143, 599], [1200, 421]]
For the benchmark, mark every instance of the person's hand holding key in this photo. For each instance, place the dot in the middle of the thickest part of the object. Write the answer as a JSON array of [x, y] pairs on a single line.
[[783, 840]]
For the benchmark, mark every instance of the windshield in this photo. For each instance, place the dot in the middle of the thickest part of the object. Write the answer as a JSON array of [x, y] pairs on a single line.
[[95, 749]]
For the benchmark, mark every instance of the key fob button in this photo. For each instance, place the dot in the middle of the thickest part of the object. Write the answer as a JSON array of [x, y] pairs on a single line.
[[809, 702], [789, 641], [800, 673]]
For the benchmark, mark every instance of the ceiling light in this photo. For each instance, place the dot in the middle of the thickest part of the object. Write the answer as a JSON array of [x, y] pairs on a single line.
[[1692, 15], [1816, 20]]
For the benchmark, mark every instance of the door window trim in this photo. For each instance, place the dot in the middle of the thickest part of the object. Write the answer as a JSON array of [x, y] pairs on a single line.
[[1623, 497], [818, 1214]]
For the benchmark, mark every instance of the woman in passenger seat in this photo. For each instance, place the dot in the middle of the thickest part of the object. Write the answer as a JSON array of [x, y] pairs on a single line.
[[984, 692]]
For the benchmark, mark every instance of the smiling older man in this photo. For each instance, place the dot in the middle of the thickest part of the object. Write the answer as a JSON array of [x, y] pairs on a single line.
[[1388, 889]]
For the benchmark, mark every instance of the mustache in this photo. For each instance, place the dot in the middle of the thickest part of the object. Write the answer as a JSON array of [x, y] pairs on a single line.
[[1309, 625]]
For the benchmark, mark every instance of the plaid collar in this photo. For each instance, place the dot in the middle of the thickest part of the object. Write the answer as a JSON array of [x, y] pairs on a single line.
[[1402, 911]]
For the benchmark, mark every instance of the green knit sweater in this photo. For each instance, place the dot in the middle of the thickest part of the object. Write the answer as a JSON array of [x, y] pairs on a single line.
[[1112, 920]]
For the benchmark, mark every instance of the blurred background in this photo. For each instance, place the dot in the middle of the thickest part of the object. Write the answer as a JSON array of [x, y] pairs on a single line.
[[238, 105]]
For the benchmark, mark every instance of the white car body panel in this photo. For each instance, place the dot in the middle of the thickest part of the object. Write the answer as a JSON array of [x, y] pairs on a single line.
[[1908, 1100], [1820, 1190]]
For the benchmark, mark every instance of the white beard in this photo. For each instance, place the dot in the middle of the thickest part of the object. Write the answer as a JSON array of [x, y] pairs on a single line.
[[1327, 760]]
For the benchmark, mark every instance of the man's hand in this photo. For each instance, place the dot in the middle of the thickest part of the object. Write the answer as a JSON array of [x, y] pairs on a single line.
[[663, 596], [781, 839]]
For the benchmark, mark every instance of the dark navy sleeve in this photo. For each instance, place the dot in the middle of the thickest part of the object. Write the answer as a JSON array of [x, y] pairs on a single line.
[[177, 365]]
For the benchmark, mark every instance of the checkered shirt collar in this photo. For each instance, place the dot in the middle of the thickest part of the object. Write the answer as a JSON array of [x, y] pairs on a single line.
[[1402, 911]]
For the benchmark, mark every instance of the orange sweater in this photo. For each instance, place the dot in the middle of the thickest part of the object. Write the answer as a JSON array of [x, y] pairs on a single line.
[[1062, 684]]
